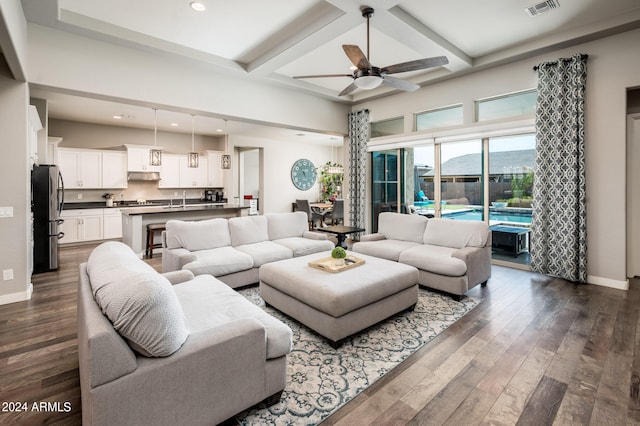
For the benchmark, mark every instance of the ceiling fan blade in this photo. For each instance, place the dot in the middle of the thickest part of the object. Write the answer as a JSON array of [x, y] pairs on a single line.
[[323, 76], [356, 56], [350, 88], [419, 64], [397, 83]]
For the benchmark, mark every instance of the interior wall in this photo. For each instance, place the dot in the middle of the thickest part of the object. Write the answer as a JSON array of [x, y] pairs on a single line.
[[278, 157], [75, 134], [14, 187], [86, 66], [612, 68]]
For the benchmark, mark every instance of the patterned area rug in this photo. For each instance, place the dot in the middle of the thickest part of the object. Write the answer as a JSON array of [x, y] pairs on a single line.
[[322, 379]]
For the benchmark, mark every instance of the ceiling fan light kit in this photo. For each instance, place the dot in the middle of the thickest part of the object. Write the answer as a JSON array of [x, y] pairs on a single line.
[[368, 82], [367, 77]]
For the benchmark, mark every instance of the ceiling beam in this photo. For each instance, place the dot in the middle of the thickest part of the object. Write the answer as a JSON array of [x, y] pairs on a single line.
[[407, 29], [315, 27]]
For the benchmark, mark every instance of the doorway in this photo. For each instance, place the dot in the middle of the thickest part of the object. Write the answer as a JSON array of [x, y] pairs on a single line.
[[633, 195], [250, 176]]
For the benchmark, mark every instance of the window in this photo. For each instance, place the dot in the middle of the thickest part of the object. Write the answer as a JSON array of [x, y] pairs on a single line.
[[513, 105], [393, 126], [462, 180], [442, 117], [511, 172]]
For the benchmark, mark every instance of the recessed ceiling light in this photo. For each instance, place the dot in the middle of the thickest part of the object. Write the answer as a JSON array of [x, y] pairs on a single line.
[[219, 130], [174, 124], [123, 117], [198, 6]]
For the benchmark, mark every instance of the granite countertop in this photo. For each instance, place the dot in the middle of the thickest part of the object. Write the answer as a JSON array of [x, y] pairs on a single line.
[[132, 204]]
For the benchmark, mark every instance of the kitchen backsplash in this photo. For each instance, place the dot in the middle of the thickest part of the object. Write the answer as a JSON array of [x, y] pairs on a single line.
[[135, 191]]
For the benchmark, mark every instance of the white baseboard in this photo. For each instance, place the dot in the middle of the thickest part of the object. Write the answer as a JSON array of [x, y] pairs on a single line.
[[17, 297], [607, 282]]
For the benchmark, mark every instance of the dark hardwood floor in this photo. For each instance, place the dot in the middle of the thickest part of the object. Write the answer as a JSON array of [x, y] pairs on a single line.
[[536, 351]]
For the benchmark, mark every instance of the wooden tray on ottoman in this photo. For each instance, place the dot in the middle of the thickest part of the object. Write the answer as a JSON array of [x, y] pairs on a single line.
[[328, 264]]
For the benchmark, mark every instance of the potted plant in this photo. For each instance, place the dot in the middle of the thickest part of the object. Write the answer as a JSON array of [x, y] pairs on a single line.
[[338, 254], [330, 183]]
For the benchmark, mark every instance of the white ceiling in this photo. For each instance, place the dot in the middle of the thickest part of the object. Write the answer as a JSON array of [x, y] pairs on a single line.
[[278, 39]]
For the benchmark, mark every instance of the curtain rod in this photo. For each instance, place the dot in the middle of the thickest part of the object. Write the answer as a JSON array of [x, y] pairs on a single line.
[[582, 56]]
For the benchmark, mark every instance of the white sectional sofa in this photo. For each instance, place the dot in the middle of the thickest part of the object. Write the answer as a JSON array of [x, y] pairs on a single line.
[[153, 353], [451, 255], [234, 249]]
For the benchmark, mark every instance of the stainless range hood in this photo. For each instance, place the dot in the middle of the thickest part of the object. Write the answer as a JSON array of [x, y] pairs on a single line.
[[143, 176]]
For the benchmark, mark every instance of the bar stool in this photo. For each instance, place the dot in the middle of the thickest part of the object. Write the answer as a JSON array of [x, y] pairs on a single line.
[[152, 228]]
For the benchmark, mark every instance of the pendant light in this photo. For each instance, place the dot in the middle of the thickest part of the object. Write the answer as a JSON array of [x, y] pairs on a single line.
[[155, 154], [226, 158], [193, 156]]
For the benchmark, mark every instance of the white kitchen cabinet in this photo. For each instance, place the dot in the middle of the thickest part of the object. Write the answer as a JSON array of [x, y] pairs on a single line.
[[80, 168], [138, 158], [215, 171], [193, 177], [112, 225], [81, 225], [114, 169], [174, 172], [170, 171]]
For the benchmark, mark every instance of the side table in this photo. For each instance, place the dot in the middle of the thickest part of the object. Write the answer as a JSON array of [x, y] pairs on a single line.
[[341, 232]]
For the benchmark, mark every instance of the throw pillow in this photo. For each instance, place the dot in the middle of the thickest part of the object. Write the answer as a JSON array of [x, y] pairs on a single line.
[[139, 302]]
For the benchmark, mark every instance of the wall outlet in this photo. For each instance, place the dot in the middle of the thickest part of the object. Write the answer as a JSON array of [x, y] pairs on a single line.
[[79, 196], [6, 211], [7, 274]]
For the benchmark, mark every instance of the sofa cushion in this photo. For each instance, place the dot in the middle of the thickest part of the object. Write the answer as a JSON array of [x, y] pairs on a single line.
[[287, 225], [396, 226], [265, 252], [456, 233], [304, 246], [219, 261], [208, 302], [139, 302], [197, 235], [434, 259], [248, 230], [385, 249]]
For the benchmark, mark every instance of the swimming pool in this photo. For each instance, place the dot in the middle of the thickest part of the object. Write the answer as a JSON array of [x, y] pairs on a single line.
[[514, 217]]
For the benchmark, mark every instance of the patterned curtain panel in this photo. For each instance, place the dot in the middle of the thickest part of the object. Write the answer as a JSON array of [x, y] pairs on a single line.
[[559, 228], [359, 136]]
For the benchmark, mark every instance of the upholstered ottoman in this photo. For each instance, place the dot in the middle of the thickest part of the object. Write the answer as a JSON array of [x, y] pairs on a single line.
[[337, 305]]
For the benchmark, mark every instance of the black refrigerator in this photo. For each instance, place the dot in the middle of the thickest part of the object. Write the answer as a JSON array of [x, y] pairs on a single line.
[[47, 198]]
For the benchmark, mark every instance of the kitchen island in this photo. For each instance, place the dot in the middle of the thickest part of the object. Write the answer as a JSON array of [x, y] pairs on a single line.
[[135, 220]]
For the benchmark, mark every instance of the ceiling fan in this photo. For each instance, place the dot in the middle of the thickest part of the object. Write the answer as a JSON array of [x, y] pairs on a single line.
[[367, 76]]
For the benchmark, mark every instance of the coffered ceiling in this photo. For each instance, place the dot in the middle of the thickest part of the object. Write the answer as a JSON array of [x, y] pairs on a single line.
[[276, 40]]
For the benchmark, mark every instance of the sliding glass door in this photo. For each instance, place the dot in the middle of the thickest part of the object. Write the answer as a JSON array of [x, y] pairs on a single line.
[[461, 180], [512, 161], [387, 188]]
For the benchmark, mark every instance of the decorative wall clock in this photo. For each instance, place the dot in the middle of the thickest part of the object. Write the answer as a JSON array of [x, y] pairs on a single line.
[[303, 174]]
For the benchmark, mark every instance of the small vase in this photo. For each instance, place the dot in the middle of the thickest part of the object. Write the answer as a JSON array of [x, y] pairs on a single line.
[[338, 262]]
